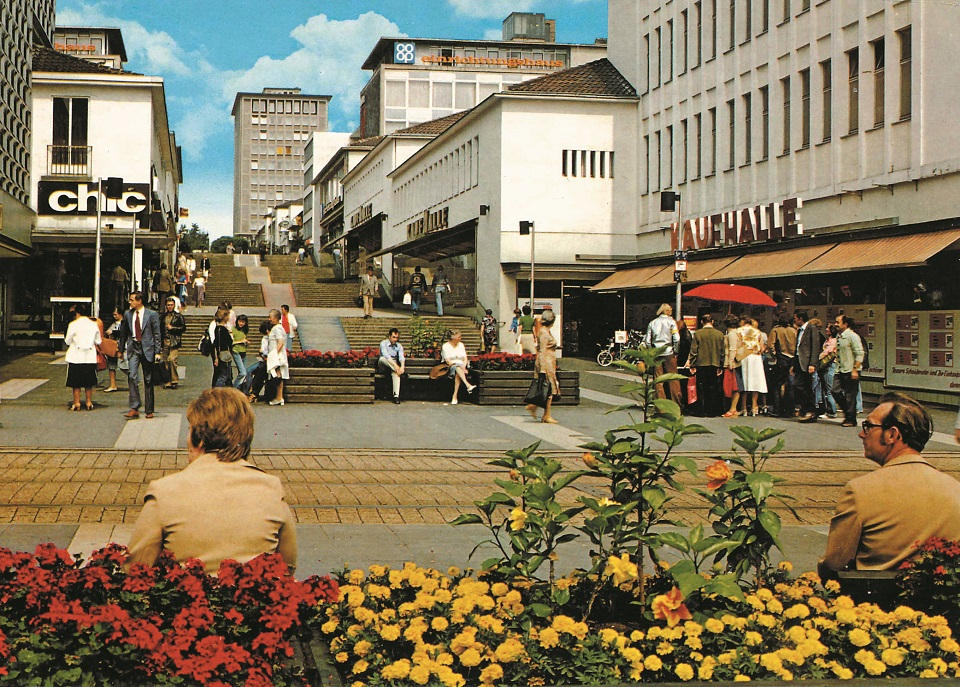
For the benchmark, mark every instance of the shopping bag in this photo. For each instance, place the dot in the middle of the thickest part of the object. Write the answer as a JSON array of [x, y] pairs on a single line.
[[407, 298], [691, 389], [729, 383], [161, 374], [539, 392]]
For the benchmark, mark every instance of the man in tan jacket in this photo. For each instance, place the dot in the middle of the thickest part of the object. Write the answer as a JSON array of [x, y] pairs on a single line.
[[884, 515], [220, 506]]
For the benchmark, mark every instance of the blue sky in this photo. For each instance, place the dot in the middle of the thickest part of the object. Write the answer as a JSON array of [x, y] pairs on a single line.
[[207, 50]]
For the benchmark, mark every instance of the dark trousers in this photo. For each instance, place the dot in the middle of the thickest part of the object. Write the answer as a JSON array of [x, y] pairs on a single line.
[[844, 391], [137, 361], [709, 390], [222, 374], [781, 391], [804, 390]]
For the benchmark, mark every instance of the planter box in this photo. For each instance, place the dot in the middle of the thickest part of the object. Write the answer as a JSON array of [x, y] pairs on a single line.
[[329, 385], [508, 387]]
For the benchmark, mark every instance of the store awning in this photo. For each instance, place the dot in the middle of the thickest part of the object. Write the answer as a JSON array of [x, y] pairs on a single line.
[[436, 245], [632, 278], [771, 264], [910, 250], [697, 271]]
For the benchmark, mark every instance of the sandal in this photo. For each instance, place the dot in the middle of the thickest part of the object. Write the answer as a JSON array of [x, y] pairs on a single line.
[[89, 406], [731, 413], [75, 407]]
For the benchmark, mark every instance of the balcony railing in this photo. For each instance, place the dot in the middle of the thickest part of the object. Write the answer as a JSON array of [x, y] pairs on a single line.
[[69, 160]]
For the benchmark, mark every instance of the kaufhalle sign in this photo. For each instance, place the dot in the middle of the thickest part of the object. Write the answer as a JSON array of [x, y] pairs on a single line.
[[769, 222], [80, 198]]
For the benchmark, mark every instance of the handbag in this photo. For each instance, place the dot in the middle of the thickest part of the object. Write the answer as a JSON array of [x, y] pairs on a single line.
[[438, 371], [161, 373], [692, 389], [540, 391], [109, 348], [407, 298], [729, 382]]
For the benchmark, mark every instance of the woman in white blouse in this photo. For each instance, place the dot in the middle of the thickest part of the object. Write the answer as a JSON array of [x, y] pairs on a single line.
[[82, 339], [455, 355]]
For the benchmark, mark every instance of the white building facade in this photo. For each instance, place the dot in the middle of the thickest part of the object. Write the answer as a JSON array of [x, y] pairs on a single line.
[[320, 148], [812, 147]]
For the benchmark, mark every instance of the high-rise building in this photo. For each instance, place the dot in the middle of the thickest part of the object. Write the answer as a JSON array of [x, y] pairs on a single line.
[[270, 130]]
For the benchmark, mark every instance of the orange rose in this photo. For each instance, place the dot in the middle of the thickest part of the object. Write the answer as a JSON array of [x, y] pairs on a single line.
[[589, 460], [718, 473], [670, 607]]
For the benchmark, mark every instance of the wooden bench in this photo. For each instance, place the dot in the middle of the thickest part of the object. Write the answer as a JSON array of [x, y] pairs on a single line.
[[416, 385], [870, 586]]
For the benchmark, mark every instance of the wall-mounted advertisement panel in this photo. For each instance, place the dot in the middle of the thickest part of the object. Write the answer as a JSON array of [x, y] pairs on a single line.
[[920, 347]]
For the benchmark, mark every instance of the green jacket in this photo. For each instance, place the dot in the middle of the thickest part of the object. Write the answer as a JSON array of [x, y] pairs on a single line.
[[849, 351], [707, 348]]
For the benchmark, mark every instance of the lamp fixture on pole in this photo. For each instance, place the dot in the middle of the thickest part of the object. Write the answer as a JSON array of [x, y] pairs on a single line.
[[670, 201]]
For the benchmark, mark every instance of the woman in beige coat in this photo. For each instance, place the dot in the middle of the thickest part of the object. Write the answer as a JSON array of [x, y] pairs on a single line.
[[546, 363]]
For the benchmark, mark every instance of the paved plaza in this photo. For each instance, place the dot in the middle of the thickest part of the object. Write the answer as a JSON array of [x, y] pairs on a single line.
[[367, 483]]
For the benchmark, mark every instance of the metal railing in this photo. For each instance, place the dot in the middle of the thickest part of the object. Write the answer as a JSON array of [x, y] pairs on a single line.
[[69, 160]]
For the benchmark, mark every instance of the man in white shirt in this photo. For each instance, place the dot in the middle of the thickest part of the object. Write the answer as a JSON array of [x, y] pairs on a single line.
[[289, 323], [662, 331]]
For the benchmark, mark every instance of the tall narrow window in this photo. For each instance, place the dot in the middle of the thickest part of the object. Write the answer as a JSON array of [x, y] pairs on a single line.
[[786, 11], [748, 20], [69, 153], [785, 86], [713, 29], [646, 164], [732, 138], [684, 150], [878, 85], [698, 167], [669, 180], [827, 76], [659, 42], [906, 74], [733, 25], [764, 16], [747, 129], [713, 140], [659, 160], [698, 8], [646, 50], [853, 90], [685, 45], [669, 51], [563, 162], [764, 122], [804, 6], [804, 108]]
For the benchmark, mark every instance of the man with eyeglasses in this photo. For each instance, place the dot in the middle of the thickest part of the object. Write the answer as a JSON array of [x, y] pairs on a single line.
[[884, 515]]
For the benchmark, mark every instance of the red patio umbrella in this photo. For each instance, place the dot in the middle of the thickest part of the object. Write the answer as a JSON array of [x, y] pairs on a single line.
[[732, 293]]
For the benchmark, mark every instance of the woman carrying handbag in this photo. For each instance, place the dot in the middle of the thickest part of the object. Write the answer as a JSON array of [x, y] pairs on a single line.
[[545, 370]]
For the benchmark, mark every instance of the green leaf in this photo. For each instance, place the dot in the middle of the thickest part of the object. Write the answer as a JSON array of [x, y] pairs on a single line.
[[561, 596], [567, 479], [654, 496], [499, 498], [689, 464], [771, 523], [726, 585], [490, 563], [540, 490], [564, 538], [667, 407], [540, 610], [674, 540], [761, 484], [689, 582], [467, 519]]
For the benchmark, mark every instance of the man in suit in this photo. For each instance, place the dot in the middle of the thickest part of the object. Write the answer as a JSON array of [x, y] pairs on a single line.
[[884, 515], [142, 343], [706, 362], [809, 345], [220, 506]]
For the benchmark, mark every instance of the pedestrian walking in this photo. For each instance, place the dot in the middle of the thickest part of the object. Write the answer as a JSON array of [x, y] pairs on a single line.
[[222, 356], [662, 332], [163, 284], [173, 327], [289, 323], [514, 327], [546, 365], [82, 338], [846, 383], [182, 288], [750, 356], [301, 254], [706, 364], [121, 287], [809, 346], [141, 349], [278, 368], [204, 265], [525, 325], [416, 287], [455, 355], [257, 373], [783, 341], [489, 331], [191, 266], [199, 289], [827, 369], [392, 360], [239, 335], [731, 366], [440, 287], [368, 291], [113, 334]]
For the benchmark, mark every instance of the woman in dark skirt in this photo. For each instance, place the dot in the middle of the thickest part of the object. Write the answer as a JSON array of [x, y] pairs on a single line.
[[82, 339]]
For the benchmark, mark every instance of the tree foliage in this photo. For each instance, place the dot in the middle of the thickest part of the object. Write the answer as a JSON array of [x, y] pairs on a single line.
[[193, 238]]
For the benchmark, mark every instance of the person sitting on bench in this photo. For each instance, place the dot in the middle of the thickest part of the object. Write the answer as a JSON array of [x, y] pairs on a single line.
[[392, 360], [455, 355]]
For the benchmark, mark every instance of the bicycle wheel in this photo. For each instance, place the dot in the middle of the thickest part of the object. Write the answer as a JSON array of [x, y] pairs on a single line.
[[604, 358]]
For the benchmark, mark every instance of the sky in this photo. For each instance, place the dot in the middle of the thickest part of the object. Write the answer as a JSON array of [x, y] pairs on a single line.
[[207, 50]]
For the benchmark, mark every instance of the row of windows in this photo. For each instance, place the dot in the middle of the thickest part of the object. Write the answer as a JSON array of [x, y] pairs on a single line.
[[497, 53], [452, 174], [280, 135], [284, 106], [277, 121], [443, 94], [587, 163], [15, 117], [742, 141]]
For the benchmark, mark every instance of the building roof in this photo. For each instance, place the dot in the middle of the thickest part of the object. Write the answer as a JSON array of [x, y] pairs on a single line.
[[368, 142], [383, 50], [49, 60], [434, 127], [276, 93], [599, 78], [113, 34]]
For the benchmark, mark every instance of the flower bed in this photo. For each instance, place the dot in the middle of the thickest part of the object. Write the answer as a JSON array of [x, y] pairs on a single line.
[[331, 376], [366, 357], [66, 623], [503, 361]]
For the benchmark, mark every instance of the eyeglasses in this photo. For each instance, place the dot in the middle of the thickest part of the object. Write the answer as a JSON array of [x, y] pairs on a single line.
[[866, 426]]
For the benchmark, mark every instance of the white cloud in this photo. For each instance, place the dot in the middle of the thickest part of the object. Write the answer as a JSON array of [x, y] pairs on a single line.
[[327, 63], [493, 34]]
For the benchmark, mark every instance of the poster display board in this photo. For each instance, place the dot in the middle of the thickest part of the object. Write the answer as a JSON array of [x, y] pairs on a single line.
[[920, 349], [869, 323]]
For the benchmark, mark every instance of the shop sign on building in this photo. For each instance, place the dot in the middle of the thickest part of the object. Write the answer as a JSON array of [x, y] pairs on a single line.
[[364, 213], [920, 350], [80, 198], [428, 222], [769, 222], [509, 62]]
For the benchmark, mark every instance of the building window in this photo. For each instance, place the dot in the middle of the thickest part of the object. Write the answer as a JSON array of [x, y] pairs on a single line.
[[684, 150], [563, 162], [593, 163], [713, 140], [853, 91], [764, 16], [733, 25], [659, 161], [906, 74], [70, 129], [827, 76], [698, 7], [254, 164], [603, 167], [764, 122], [878, 85], [747, 129], [610, 166], [713, 29], [646, 164], [669, 51], [785, 85], [669, 157], [805, 108], [786, 11], [698, 168], [685, 46], [748, 20], [804, 6], [659, 38], [646, 50], [732, 140]]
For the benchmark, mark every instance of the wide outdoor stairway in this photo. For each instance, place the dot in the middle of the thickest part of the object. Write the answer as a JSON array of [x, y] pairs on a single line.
[[197, 325], [313, 287], [362, 333], [228, 282]]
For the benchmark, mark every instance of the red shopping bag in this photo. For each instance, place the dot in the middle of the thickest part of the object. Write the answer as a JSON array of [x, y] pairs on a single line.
[[729, 383], [691, 389]]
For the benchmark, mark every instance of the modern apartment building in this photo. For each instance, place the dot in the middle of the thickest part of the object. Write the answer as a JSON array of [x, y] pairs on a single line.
[[416, 80], [270, 130]]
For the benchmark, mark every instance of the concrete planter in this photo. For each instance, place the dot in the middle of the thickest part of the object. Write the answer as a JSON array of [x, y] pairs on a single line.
[[508, 387], [329, 385]]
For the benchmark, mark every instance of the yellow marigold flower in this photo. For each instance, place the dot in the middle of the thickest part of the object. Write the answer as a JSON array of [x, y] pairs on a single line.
[[342, 657], [354, 630], [377, 570], [713, 625], [892, 657], [604, 502], [362, 648], [563, 583], [741, 678], [705, 671], [499, 589], [390, 632], [355, 576], [694, 643], [607, 635], [445, 659], [397, 670], [846, 616], [949, 645], [439, 624], [831, 586], [858, 637], [518, 519], [420, 674], [726, 658], [355, 598], [471, 657], [797, 611], [771, 662], [449, 678], [786, 566], [652, 663], [636, 636], [509, 650], [329, 627], [631, 653], [817, 604], [360, 667], [939, 665], [562, 623], [549, 638], [774, 606], [755, 602], [928, 673], [491, 674], [796, 634], [443, 595], [766, 620], [692, 628], [905, 613], [485, 602], [621, 569], [358, 683], [841, 672], [684, 671], [788, 655], [664, 648], [764, 594], [752, 638]]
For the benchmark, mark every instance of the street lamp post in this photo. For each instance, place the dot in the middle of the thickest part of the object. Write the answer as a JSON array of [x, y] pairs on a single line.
[[670, 201], [526, 227], [96, 255]]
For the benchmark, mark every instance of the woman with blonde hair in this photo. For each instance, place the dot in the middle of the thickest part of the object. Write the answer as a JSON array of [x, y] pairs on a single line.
[[455, 355], [750, 355], [546, 364]]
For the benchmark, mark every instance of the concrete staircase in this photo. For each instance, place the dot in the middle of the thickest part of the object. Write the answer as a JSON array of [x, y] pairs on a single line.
[[228, 282], [311, 287], [370, 332], [197, 325]]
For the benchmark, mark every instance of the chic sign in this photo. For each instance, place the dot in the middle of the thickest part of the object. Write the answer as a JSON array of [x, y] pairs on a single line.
[[80, 198]]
